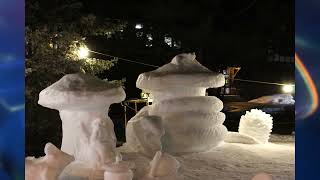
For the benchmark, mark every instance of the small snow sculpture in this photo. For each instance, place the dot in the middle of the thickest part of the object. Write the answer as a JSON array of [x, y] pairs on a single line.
[[119, 170], [191, 121], [100, 147], [256, 124], [48, 167], [83, 102], [163, 167]]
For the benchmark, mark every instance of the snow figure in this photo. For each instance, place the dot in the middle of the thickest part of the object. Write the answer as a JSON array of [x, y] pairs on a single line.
[[119, 170], [83, 102], [163, 167], [182, 118], [48, 167], [256, 124]]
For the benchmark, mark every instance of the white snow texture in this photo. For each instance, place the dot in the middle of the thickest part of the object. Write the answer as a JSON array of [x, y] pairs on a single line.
[[256, 124], [182, 118]]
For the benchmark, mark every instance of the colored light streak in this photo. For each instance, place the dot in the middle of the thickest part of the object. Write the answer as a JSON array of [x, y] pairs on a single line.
[[311, 88]]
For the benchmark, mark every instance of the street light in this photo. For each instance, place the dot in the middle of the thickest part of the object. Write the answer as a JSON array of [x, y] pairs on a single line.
[[288, 88], [83, 52], [139, 26]]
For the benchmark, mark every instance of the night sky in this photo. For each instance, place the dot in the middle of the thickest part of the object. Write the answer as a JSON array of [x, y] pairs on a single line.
[[211, 28], [221, 33]]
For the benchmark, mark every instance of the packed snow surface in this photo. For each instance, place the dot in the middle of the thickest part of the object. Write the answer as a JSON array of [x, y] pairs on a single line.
[[229, 161], [235, 137]]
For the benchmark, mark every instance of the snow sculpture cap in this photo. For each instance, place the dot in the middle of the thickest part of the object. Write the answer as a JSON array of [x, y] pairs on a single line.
[[184, 70], [80, 91]]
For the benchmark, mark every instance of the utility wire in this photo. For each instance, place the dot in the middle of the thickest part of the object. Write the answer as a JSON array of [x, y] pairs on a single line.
[[151, 65], [262, 82], [124, 59], [251, 4]]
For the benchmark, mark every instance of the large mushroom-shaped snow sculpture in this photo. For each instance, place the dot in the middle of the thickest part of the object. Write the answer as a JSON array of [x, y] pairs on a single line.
[[83, 102], [192, 121]]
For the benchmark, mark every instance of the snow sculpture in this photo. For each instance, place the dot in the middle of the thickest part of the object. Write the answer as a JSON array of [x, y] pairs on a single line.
[[256, 124], [49, 166], [163, 167], [182, 118], [118, 171], [83, 102]]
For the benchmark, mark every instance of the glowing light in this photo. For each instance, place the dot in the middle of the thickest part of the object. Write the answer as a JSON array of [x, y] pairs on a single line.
[[149, 37], [168, 40], [288, 88], [83, 52], [139, 26], [309, 84]]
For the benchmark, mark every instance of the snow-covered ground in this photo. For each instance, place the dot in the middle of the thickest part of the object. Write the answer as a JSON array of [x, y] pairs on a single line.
[[230, 161]]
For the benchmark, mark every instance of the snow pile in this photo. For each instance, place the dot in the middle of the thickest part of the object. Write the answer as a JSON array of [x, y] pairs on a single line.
[[48, 167], [235, 137], [256, 124], [275, 99], [180, 120]]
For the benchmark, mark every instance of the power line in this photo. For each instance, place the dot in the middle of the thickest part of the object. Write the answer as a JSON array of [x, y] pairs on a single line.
[[124, 59], [151, 65], [261, 82]]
